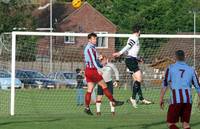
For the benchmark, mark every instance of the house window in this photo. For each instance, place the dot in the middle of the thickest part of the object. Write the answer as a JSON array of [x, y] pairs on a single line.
[[69, 39], [102, 42]]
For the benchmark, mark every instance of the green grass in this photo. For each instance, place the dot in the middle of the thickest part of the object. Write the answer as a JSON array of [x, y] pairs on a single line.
[[56, 109]]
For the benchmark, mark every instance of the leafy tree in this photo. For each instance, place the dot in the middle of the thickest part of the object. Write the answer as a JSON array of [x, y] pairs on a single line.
[[16, 15], [155, 16]]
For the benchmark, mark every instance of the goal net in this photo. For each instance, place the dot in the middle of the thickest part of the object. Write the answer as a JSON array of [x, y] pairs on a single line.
[[45, 70]]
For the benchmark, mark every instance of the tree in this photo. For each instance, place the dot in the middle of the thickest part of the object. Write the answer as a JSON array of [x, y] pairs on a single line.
[[155, 16], [16, 15]]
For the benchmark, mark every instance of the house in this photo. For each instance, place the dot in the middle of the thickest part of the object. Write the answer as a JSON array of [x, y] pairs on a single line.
[[166, 55], [167, 52], [66, 19], [162, 64]]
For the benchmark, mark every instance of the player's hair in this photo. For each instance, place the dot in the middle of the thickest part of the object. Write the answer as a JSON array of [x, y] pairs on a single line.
[[102, 57], [136, 28], [92, 35], [78, 70], [180, 55]]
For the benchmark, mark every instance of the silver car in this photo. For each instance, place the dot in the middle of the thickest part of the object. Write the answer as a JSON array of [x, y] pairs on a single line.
[[66, 78]]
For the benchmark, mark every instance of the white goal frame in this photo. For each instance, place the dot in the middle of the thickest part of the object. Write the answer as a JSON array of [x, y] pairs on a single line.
[[17, 33]]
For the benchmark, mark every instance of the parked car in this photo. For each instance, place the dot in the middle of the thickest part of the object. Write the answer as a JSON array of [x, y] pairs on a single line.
[[67, 78], [35, 79], [5, 80]]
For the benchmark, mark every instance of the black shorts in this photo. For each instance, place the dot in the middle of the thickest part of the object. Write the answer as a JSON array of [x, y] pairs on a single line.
[[109, 86], [132, 64]]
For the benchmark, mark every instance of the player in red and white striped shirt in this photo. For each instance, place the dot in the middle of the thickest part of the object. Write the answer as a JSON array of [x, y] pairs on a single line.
[[93, 74], [179, 77]]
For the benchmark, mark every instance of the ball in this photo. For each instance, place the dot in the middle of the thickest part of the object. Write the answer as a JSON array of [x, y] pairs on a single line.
[[76, 3]]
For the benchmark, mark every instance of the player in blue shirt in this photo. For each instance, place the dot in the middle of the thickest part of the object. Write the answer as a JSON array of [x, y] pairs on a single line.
[[179, 77]]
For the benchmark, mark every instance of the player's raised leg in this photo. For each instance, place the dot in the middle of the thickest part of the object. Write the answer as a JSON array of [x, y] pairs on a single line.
[[109, 95], [132, 64], [137, 76]]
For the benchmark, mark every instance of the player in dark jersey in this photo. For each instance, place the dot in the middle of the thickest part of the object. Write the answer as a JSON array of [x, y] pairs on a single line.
[[79, 87]]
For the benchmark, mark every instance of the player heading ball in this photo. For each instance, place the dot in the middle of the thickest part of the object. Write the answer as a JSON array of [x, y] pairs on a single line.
[[132, 60], [93, 74]]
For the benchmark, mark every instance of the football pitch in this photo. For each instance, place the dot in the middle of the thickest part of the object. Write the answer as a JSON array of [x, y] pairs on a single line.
[[57, 109]]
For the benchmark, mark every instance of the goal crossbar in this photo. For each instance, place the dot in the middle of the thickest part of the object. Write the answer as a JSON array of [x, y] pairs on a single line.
[[103, 35]]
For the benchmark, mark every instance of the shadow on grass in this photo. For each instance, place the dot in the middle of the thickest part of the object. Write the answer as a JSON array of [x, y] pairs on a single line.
[[122, 126], [142, 126], [195, 124], [147, 126], [30, 121]]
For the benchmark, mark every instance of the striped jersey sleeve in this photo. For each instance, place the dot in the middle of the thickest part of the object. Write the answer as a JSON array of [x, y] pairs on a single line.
[[195, 81], [166, 78], [131, 42]]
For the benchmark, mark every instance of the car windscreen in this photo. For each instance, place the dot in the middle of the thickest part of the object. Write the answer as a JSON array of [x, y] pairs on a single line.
[[4, 75], [34, 74], [70, 75]]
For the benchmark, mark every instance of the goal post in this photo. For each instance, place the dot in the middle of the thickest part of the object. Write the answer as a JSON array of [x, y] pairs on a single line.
[[20, 33], [13, 56]]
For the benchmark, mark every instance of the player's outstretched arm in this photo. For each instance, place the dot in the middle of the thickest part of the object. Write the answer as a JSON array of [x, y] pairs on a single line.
[[164, 88], [196, 84], [129, 44], [116, 54]]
